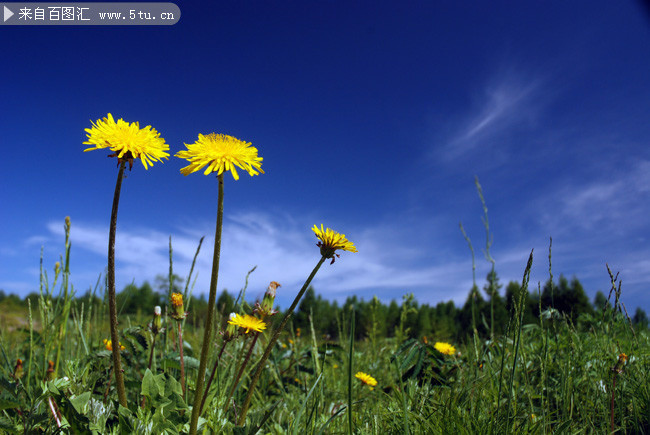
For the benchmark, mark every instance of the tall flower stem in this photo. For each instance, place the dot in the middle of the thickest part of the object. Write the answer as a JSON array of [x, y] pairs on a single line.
[[241, 370], [205, 349], [611, 418], [112, 305], [180, 346], [274, 339], [214, 371]]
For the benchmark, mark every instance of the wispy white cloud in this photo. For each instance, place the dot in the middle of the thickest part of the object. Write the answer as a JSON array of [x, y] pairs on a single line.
[[283, 250], [35, 240], [615, 203], [509, 98]]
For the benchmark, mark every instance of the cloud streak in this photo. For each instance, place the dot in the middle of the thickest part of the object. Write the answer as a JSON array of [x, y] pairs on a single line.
[[506, 101], [283, 251]]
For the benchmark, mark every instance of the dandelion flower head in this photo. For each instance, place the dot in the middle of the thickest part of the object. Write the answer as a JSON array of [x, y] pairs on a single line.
[[248, 322], [220, 153], [177, 299], [127, 140], [330, 241], [366, 379], [445, 348]]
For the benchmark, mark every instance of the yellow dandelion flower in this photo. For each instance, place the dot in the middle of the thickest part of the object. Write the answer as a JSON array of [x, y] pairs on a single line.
[[109, 345], [178, 313], [127, 140], [220, 153], [177, 299], [445, 348], [622, 357], [248, 322], [330, 241], [366, 379]]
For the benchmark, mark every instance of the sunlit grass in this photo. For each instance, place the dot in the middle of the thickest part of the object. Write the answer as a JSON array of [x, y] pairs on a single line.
[[556, 375]]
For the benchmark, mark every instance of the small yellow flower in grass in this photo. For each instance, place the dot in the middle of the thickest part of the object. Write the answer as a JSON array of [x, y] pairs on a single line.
[[127, 140], [49, 374], [248, 322], [622, 358], [366, 379], [330, 241], [178, 312], [109, 345], [18, 369], [220, 153], [445, 348]]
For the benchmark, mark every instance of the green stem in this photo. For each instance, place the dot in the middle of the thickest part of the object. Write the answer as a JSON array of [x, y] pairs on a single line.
[[612, 403], [350, 370], [274, 338], [241, 370], [214, 371], [112, 305], [180, 344], [205, 349], [153, 345]]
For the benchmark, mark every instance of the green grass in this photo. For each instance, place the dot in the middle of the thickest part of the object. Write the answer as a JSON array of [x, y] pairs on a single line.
[[554, 376]]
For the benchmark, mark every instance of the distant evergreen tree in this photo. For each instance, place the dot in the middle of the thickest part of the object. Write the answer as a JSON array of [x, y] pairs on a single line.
[[392, 317], [162, 284], [225, 303], [472, 311], [578, 300], [640, 319], [512, 297], [600, 301], [308, 303], [567, 298], [423, 327], [497, 313], [444, 321]]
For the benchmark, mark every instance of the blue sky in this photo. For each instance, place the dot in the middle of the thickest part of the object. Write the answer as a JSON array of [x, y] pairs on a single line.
[[372, 118]]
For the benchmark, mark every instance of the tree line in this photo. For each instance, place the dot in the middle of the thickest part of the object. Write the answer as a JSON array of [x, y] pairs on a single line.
[[487, 311]]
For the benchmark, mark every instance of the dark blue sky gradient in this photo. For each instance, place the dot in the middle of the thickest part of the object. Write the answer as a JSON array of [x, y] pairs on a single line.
[[372, 118]]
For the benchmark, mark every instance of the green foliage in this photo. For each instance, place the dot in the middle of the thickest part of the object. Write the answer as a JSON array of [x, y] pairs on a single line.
[[544, 362]]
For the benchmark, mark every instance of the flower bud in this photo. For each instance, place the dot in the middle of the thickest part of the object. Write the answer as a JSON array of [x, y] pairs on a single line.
[[156, 325], [231, 329], [50, 371], [266, 307]]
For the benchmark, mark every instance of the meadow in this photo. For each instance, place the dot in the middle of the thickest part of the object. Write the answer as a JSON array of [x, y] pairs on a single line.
[[78, 364], [551, 376]]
